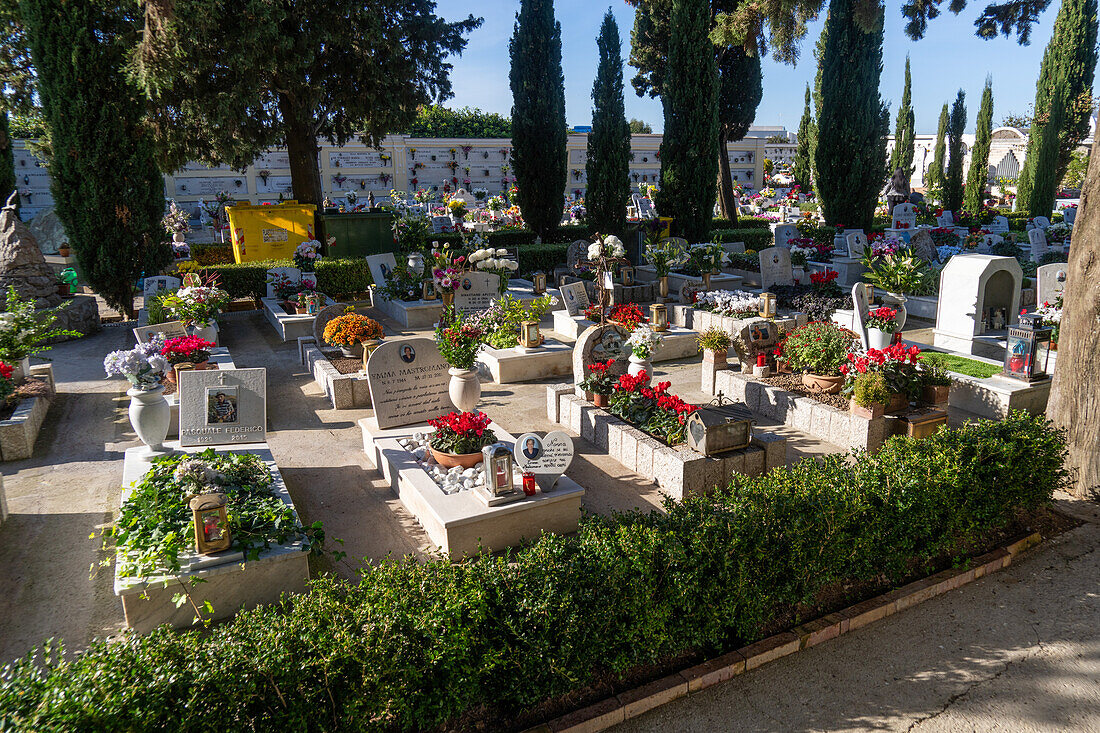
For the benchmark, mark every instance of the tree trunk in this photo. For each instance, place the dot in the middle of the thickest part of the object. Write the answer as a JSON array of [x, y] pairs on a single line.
[[727, 203], [1075, 394], [305, 173]]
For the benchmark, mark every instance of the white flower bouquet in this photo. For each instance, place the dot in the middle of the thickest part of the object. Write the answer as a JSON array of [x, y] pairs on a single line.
[[733, 303], [644, 340], [609, 246], [198, 304], [142, 366], [665, 256]]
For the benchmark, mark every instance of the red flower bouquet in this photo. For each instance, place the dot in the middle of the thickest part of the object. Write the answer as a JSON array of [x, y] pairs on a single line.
[[186, 348], [460, 433]]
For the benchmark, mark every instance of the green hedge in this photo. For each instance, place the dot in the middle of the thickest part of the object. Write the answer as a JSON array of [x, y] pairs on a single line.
[[757, 239], [743, 222], [423, 645], [334, 277], [212, 254]]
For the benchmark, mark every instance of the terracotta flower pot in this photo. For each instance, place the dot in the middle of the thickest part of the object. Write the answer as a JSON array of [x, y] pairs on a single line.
[[205, 364], [448, 460], [823, 383], [600, 400], [937, 394], [876, 410]]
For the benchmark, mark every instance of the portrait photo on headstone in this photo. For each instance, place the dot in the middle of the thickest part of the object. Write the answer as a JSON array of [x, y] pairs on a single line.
[[221, 405]]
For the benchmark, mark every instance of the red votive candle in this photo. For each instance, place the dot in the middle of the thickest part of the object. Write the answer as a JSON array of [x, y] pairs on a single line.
[[761, 360]]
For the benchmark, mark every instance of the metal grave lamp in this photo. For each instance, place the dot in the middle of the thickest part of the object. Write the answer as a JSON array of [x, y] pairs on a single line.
[[720, 427], [658, 317], [529, 336], [538, 280], [1028, 349], [626, 273], [427, 289], [211, 523], [767, 305], [498, 470]]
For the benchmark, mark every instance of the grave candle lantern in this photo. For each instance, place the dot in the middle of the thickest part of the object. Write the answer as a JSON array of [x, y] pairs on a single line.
[[658, 316], [529, 337], [627, 275], [529, 484], [538, 280], [1028, 349], [767, 305], [498, 469], [427, 289], [211, 523]]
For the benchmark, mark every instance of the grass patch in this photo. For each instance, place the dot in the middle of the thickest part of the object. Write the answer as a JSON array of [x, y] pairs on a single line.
[[962, 365]]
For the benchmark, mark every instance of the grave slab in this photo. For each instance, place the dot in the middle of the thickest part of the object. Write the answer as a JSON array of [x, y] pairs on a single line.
[[289, 326], [344, 391], [554, 358]]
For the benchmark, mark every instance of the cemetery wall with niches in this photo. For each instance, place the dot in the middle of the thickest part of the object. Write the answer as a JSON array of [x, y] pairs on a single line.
[[400, 162]]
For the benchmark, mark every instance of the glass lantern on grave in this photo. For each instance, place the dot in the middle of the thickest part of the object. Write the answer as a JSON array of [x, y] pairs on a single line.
[[211, 523], [767, 305], [658, 317], [538, 280], [626, 274], [1028, 349]]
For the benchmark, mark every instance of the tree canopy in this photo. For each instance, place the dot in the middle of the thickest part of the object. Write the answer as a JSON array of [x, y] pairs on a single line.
[[439, 121]]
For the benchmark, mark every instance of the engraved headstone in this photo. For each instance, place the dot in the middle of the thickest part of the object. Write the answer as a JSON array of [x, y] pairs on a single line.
[[601, 343], [861, 304], [477, 291], [276, 274], [857, 243], [223, 406], [1069, 215], [575, 298], [547, 457], [905, 216], [170, 329], [946, 219], [577, 252], [1051, 281], [1041, 222], [408, 382], [152, 285], [988, 242], [999, 225], [783, 234], [775, 267], [922, 245], [1039, 246], [380, 267]]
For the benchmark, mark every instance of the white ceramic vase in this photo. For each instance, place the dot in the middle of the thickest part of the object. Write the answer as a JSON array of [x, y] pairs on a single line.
[[20, 370], [179, 237], [464, 389], [799, 273], [878, 339], [639, 365], [150, 415], [208, 333], [897, 301]]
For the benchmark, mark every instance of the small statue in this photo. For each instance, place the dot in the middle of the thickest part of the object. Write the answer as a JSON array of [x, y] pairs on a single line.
[[897, 191]]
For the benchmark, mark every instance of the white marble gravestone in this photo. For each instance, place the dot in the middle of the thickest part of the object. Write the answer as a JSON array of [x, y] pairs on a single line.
[[775, 267], [293, 274], [988, 242], [223, 406], [1039, 246], [380, 267], [170, 329], [477, 291], [601, 343], [999, 225], [857, 243], [1041, 222], [575, 298], [905, 216], [1051, 280], [408, 382], [784, 233], [1069, 215], [861, 310], [946, 219], [153, 285], [547, 457], [978, 294]]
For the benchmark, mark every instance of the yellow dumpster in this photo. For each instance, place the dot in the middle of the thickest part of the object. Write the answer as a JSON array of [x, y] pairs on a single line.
[[269, 232], [666, 225]]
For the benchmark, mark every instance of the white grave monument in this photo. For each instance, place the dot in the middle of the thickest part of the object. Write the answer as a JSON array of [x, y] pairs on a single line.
[[546, 457], [904, 216], [860, 311], [1039, 246], [783, 234], [857, 243], [153, 285], [1051, 281], [408, 382], [380, 267], [477, 291], [223, 407], [979, 294], [775, 267], [290, 274], [999, 225], [575, 298]]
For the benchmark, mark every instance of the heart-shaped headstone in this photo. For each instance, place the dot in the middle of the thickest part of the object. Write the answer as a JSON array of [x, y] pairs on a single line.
[[547, 457]]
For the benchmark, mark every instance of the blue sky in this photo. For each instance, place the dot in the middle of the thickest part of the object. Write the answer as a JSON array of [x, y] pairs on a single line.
[[950, 57]]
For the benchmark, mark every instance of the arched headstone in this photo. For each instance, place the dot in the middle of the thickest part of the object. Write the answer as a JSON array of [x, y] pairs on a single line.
[[601, 343], [1039, 246], [783, 235], [999, 225], [904, 216], [1069, 215], [152, 285], [1051, 281]]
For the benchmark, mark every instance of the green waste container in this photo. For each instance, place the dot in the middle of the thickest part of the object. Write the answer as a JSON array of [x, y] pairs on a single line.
[[359, 234]]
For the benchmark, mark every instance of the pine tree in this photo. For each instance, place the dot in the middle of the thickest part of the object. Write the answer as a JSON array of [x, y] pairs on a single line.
[[933, 177], [105, 183], [1063, 105], [803, 160], [689, 167], [609, 142], [905, 128], [953, 176], [538, 115], [853, 122], [978, 175]]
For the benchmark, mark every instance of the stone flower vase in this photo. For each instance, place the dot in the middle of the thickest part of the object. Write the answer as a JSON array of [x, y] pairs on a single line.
[[150, 415], [639, 365], [879, 339], [464, 389], [897, 301]]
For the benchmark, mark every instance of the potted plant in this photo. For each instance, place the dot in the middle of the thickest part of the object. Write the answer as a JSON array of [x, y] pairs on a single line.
[[459, 344], [62, 287], [24, 331], [186, 349], [935, 380], [881, 326], [817, 350], [599, 382], [350, 330], [143, 367], [897, 273], [197, 307], [459, 437], [869, 395], [642, 343], [715, 344]]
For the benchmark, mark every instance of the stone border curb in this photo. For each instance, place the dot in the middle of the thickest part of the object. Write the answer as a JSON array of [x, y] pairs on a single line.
[[632, 703]]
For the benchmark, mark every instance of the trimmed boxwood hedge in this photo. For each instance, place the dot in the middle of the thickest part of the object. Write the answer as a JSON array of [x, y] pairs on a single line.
[[334, 277], [421, 645]]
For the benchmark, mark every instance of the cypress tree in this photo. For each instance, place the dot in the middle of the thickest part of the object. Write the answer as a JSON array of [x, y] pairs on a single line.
[[933, 178], [106, 186], [689, 167], [803, 160], [853, 121], [905, 128], [953, 176], [1063, 105], [7, 162], [538, 115], [978, 175], [609, 142]]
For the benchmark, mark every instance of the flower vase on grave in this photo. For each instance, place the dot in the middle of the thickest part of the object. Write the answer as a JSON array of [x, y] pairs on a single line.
[[897, 302], [464, 389], [706, 280], [878, 339], [639, 365], [207, 333], [352, 352], [664, 287], [448, 298], [179, 237], [150, 416]]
